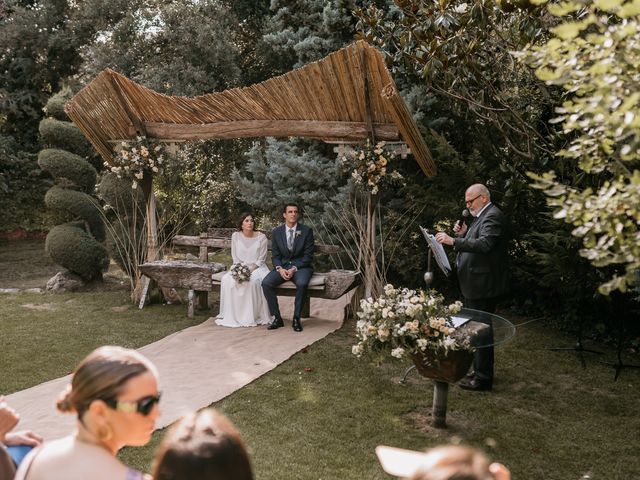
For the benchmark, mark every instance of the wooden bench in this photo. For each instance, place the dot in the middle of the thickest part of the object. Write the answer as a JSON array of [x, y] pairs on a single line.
[[202, 277]]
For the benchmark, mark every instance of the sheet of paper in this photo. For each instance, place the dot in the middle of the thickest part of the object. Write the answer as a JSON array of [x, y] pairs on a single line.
[[457, 321], [438, 251]]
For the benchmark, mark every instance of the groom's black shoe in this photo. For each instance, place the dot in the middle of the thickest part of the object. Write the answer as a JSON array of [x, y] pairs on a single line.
[[277, 323], [297, 326]]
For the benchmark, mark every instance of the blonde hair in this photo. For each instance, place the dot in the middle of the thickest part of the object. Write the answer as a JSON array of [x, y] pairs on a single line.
[[101, 375], [454, 463], [202, 446]]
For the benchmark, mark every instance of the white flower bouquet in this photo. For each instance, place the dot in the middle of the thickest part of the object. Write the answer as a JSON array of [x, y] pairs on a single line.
[[135, 158], [240, 272], [404, 322]]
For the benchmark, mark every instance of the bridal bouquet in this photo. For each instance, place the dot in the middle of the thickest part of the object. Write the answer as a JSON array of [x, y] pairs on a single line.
[[404, 322], [240, 272]]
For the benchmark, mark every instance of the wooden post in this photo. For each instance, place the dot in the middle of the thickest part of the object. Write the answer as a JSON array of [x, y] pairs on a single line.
[[203, 296], [146, 184]]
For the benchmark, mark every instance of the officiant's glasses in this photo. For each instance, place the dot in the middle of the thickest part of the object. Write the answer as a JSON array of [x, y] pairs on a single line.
[[470, 202], [142, 406]]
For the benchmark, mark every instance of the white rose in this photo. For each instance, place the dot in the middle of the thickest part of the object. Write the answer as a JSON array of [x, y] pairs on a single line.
[[397, 352]]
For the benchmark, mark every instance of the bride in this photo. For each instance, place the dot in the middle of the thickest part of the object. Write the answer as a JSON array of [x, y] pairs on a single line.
[[243, 304]]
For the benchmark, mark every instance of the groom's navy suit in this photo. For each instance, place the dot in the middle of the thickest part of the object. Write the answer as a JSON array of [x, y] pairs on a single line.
[[300, 256]]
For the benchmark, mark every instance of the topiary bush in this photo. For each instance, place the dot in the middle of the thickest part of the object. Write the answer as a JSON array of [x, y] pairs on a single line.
[[64, 165], [74, 245]]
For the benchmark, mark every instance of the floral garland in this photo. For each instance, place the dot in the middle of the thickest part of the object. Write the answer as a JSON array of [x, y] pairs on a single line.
[[136, 158], [408, 322], [369, 167]]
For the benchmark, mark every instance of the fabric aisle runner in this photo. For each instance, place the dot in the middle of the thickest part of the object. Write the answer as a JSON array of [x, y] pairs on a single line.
[[198, 366]]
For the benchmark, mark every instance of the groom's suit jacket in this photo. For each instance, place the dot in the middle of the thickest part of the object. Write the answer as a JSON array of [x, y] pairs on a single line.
[[482, 262], [303, 247]]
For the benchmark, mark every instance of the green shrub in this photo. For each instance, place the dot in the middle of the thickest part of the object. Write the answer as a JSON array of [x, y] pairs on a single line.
[[65, 135], [63, 165], [72, 247], [80, 205], [117, 193], [55, 105]]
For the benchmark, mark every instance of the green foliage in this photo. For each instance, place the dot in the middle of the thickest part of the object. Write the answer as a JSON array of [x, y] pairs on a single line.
[[124, 214], [302, 31], [300, 171], [117, 194], [79, 205], [595, 56], [71, 246], [55, 105], [64, 135], [178, 48], [68, 169], [22, 189], [197, 189], [41, 45]]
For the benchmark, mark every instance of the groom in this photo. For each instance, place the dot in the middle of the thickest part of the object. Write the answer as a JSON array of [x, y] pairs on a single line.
[[292, 249]]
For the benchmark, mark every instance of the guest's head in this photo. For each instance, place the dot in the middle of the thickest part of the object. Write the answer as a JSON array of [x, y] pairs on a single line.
[[202, 446], [246, 222], [450, 462], [114, 392]]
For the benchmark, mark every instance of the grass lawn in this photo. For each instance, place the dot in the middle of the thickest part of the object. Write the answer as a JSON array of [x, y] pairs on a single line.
[[547, 418]]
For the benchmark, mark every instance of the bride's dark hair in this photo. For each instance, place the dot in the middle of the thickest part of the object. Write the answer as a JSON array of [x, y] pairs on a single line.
[[243, 216]]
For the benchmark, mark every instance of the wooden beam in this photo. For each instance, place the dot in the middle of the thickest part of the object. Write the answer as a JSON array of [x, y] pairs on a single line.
[[348, 131]]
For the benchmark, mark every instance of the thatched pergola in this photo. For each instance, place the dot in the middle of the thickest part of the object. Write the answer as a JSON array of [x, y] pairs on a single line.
[[346, 97]]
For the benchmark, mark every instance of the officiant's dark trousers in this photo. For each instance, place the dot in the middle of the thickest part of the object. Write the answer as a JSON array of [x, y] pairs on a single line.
[[483, 357], [273, 279]]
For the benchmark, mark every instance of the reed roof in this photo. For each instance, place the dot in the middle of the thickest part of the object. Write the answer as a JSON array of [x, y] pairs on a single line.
[[342, 98]]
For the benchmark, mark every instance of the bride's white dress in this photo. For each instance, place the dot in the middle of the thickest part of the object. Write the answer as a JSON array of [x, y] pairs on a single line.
[[243, 304]]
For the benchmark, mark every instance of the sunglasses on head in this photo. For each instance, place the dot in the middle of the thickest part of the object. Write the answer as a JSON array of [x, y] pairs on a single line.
[[142, 406]]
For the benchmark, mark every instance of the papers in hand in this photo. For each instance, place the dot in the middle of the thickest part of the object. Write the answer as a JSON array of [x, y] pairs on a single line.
[[438, 251]]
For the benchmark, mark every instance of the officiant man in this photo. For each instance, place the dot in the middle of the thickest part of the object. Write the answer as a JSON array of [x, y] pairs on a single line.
[[292, 248], [482, 266]]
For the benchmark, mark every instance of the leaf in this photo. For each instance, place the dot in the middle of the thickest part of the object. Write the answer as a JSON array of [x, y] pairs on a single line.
[[570, 30], [563, 8], [608, 5]]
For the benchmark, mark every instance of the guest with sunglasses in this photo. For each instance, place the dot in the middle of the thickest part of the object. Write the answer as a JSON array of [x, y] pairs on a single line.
[[202, 446], [114, 393], [483, 274]]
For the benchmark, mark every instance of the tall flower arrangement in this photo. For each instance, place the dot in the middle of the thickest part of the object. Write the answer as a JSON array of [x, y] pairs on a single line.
[[135, 158], [371, 170], [405, 323]]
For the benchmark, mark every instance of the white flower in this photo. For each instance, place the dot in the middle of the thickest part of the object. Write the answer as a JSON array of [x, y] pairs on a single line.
[[397, 352], [462, 8], [357, 349]]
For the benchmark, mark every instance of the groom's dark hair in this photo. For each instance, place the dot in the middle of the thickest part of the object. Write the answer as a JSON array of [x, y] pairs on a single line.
[[290, 204]]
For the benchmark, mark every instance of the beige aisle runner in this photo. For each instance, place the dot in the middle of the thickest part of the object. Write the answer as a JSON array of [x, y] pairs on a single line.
[[198, 366]]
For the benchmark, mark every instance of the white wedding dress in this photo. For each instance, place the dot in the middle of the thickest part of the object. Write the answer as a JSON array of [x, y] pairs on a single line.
[[243, 304]]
